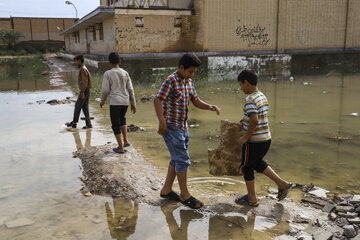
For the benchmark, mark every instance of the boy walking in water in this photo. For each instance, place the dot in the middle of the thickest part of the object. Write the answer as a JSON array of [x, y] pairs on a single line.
[[256, 141], [117, 84], [85, 84], [171, 106]]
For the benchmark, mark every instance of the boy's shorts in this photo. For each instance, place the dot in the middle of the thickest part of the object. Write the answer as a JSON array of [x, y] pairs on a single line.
[[252, 158], [177, 141], [117, 116]]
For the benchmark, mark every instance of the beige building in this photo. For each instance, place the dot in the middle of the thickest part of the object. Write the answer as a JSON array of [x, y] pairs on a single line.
[[37, 30], [216, 27]]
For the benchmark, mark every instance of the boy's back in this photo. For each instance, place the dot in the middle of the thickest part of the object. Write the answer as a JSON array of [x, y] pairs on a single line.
[[117, 84], [257, 103]]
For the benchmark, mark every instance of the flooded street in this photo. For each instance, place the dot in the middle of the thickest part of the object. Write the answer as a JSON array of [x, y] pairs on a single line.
[[314, 120]]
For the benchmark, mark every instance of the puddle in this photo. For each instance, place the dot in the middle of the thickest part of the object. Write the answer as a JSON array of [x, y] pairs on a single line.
[[316, 139]]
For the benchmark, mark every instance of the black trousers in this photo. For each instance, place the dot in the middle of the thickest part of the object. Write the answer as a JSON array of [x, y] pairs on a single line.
[[117, 116], [252, 158], [84, 105]]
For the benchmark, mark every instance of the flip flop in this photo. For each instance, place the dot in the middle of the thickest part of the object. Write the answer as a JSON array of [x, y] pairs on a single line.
[[191, 202], [284, 192], [244, 200], [127, 144], [119, 151], [171, 196]]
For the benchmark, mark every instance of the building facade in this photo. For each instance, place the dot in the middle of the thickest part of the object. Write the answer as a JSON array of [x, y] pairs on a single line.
[[37, 30], [216, 27]]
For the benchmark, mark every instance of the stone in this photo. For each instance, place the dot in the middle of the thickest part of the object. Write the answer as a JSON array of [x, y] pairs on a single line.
[[354, 220], [322, 235], [357, 237], [349, 231], [307, 187], [273, 190], [328, 208], [226, 160], [315, 201], [97, 221], [355, 199], [332, 216], [344, 209], [20, 222], [341, 221], [304, 236], [351, 215], [321, 193], [357, 209]]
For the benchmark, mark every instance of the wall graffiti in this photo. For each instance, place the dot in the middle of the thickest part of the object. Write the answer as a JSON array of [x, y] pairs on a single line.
[[253, 35]]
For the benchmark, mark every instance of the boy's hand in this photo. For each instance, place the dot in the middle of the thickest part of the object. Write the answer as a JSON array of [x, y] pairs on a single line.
[[133, 109], [83, 95], [101, 105], [162, 128], [242, 140], [215, 108]]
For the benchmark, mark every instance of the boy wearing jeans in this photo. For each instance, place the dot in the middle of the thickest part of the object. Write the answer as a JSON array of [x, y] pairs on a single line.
[[256, 141], [171, 106], [117, 84]]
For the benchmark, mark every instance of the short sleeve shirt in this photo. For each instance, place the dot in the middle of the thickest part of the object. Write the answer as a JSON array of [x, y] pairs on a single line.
[[176, 94]]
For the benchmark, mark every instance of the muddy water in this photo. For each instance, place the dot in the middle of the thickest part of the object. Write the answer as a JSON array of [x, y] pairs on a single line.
[[315, 139]]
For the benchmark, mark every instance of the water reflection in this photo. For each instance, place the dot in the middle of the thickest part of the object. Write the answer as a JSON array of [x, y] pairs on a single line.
[[78, 141], [122, 220]]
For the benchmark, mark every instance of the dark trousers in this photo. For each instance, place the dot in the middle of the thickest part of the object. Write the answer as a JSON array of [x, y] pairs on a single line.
[[117, 116], [84, 105]]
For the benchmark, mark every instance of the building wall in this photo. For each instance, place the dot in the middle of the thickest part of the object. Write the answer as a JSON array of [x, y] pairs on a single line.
[[158, 34], [239, 25], [108, 44], [353, 22], [309, 24], [5, 24]]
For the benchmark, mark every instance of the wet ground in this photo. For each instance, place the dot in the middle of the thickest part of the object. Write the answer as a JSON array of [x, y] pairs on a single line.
[[314, 122]]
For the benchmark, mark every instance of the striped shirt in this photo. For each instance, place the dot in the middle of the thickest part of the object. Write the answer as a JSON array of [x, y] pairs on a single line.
[[176, 94], [257, 103]]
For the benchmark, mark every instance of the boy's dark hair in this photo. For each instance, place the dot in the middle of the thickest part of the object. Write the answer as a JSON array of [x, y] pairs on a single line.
[[189, 60], [114, 58], [80, 58], [249, 76]]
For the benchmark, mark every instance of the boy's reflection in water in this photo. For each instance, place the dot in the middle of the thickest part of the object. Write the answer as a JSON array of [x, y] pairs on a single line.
[[122, 222], [78, 141]]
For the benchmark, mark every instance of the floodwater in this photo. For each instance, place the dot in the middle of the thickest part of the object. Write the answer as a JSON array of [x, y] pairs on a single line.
[[315, 129]]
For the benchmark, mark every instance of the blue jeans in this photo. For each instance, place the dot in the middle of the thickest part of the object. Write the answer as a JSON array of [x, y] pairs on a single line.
[[177, 141]]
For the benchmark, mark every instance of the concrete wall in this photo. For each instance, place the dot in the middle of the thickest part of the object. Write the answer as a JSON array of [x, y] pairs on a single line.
[[309, 24], [353, 23], [158, 33], [5, 24]]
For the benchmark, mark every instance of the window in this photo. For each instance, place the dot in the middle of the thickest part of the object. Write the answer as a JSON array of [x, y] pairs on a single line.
[[177, 22], [76, 36], [139, 21], [99, 27]]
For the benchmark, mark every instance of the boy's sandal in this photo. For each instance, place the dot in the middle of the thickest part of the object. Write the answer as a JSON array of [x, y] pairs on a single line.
[[86, 127], [119, 151], [191, 202], [171, 196], [127, 144], [282, 193], [244, 200], [70, 124]]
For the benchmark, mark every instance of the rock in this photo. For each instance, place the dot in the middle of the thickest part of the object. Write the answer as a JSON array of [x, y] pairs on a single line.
[[305, 236], [307, 187], [315, 201], [321, 193], [349, 231], [355, 220], [328, 208], [354, 114], [322, 235], [357, 237], [194, 125], [332, 216], [146, 99], [357, 209], [226, 160], [344, 209], [53, 101], [20, 222], [341, 221], [97, 221], [86, 193], [273, 190], [351, 214], [355, 199]]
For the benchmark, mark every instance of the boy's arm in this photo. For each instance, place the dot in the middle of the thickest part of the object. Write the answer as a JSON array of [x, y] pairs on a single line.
[[105, 90], [159, 114], [251, 129], [205, 106], [130, 89]]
